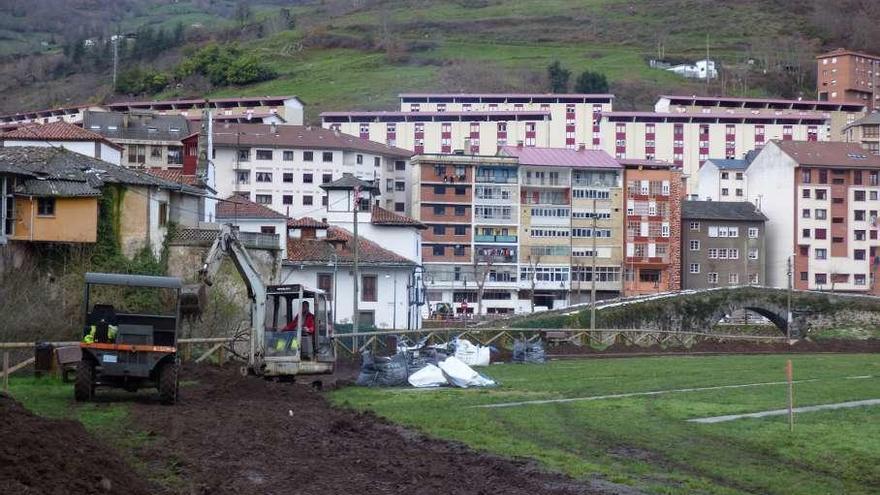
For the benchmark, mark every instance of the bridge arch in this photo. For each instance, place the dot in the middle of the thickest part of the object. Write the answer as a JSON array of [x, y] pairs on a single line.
[[777, 315]]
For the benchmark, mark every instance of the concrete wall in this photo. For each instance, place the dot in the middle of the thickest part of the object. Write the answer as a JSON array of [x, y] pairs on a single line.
[[771, 176], [75, 220], [88, 148]]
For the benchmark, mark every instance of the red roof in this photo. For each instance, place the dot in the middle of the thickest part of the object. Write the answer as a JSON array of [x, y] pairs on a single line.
[[506, 95], [322, 251], [174, 176], [417, 115], [764, 101], [299, 136], [55, 131], [560, 157], [720, 115], [829, 154], [307, 222], [381, 216], [238, 206]]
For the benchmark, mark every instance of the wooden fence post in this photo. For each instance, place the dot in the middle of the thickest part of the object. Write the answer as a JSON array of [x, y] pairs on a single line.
[[6, 372]]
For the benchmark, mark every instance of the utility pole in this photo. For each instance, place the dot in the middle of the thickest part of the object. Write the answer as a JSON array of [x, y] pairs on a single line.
[[357, 274], [593, 275], [115, 41], [788, 302]]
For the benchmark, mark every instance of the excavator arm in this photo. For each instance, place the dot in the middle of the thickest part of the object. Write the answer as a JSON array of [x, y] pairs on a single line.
[[228, 245]]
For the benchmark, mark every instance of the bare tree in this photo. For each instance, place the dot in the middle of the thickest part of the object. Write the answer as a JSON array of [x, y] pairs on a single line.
[[533, 263], [482, 266]]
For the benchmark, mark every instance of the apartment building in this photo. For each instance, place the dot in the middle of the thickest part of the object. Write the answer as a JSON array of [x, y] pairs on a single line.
[[723, 180], [722, 244], [847, 76], [562, 192], [473, 133], [838, 114], [519, 227], [653, 192], [147, 139], [283, 166], [687, 140], [821, 201], [286, 108], [865, 131]]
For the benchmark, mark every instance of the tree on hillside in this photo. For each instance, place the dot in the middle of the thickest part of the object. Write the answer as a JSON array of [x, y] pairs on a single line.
[[591, 82], [558, 76]]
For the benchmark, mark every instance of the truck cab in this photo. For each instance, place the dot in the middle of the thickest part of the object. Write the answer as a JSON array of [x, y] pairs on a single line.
[[297, 336]]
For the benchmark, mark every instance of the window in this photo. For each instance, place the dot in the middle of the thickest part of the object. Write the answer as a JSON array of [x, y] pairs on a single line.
[[327, 156], [859, 254], [695, 268], [859, 215], [821, 194], [267, 229], [325, 283], [439, 250], [264, 199], [308, 178], [805, 193], [821, 253], [399, 207], [458, 251], [308, 200], [695, 245], [733, 278], [439, 210], [360, 159], [459, 190], [439, 230], [724, 191], [860, 234], [137, 153], [821, 278], [695, 226], [308, 156], [459, 211], [753, 253], [325, 178], [264, 176], [820, 234], [460, 230], [377, 162], [46, 208], [753, 232], [821, 214], [805, 276], [287, 199], [724, 176], [400, 165], [368, 286], [439, 190], [805, 213], [739, 192], [287, 156], [264, 154], [739, 176], [174, 155], [155, 152], [287, 177], [805, 233], [389, 185], [244, 155], [858, 195], [243, 177], [401, 186], [859, 279], [712, 277]]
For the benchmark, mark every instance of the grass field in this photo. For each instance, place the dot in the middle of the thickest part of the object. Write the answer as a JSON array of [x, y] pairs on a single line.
[[645, 441]]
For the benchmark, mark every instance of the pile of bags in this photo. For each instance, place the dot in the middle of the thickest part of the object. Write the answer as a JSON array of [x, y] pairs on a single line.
[[528, 352], [421, 366]]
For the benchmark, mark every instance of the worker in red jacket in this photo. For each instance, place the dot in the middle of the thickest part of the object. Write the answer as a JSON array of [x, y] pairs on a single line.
[[308, 321]]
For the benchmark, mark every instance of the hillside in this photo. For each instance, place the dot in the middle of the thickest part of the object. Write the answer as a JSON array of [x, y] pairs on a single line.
[[346, 54]]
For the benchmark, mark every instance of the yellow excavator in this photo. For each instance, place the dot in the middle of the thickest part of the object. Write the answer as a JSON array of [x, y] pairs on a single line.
[[284, 340]]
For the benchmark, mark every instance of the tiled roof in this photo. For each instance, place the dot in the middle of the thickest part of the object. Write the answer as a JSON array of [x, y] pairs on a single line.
[[381, 216], [54, 131], [299, 136], [871, 118], [58, 164], [200, 101], [638, 162], [321, 251], [729, 164], [56, 188], [238, 206], [175, 176], [560, 157], [306, 222], [350, 182], [137, 125], [829, 154], [721, 210]]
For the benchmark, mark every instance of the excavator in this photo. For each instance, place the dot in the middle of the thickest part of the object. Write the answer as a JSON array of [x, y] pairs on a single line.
[[289, 332]]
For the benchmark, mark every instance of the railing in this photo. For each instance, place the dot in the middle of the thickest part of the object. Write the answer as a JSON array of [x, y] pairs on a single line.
[[496, 180], [494, 238], [546, 182]]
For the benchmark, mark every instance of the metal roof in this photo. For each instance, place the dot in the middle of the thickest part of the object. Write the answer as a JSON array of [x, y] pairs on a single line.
[[742, 211], [133, 280], [560, 157], [729, 164]]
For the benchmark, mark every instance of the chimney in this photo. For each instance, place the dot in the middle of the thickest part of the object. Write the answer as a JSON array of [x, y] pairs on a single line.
[[519, 144], [582, 146]]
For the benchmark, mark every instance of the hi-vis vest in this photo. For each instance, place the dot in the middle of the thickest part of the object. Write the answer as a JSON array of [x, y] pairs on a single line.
[[89, 338]]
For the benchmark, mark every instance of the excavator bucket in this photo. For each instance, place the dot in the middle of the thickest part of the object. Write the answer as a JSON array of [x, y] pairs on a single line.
[[193, 299]]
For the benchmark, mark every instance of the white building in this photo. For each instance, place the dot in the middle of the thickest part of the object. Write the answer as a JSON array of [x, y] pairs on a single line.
[[722, 180], [252, 217], [67, 136], [284, 166], [701, 69]]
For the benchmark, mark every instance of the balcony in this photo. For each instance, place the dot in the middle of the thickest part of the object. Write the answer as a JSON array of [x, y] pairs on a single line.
[[495, 238], [545, 182], [491, 179]]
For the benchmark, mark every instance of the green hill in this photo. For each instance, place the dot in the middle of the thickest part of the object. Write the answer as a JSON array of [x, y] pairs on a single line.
[[361, 53]]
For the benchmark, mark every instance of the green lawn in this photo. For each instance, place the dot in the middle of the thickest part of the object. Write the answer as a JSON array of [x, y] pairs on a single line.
[[645, 441]]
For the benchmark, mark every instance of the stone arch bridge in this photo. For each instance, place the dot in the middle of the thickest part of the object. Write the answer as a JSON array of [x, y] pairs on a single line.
[[701, 310]]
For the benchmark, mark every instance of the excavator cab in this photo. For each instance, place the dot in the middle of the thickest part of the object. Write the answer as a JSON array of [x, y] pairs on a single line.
[[297, 338]]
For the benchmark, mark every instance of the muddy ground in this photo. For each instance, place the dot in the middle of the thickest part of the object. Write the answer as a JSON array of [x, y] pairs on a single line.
[[40, 456], [231, 435]]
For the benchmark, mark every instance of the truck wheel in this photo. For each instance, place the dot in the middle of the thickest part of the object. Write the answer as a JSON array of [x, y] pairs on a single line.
[[168, 383], [84, 386]]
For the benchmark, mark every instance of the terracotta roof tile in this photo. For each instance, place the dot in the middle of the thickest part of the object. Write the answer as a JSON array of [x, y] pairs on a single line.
[[306, 222], [174, 176], [381, 216], [237, 206], [321, 251], [55, 131], [299, 136]]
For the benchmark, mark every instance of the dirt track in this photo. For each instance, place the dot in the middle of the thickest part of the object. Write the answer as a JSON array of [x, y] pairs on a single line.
[[247, 435]]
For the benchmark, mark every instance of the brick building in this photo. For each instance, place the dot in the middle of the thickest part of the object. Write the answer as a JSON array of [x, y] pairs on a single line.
[[722, 244], [848, 76], [653, 192]]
